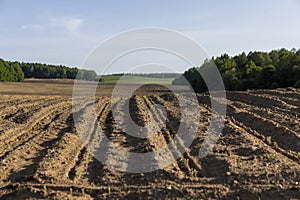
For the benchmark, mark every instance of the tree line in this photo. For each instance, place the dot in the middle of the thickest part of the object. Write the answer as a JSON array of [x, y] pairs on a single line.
[[255, 70], [10, 71], [16, 71], [38, 70]]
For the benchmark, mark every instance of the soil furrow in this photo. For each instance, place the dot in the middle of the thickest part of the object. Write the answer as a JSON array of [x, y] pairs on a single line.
[[279, 93], [22, 136], [290, 122], [44, 154], [97, 171], [78, 170], [22, 113], [19, 115], [58, 160], [13, 105], [270, 131], [31, 153], [13, 133], [115, 192], [12, 100], [287, 100], [263, 101], [274, 165], [188, 163], [282, 138]]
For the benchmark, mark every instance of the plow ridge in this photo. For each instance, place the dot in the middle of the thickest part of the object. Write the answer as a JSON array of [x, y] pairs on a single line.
[[44, 155]]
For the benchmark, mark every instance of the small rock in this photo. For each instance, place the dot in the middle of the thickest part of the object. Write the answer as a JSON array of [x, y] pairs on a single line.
[[180, 176], [228, 173], [235, 182], [278, 186], [253, 148]]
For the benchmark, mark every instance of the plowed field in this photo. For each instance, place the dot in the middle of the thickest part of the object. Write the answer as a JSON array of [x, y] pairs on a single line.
[[41, 155]]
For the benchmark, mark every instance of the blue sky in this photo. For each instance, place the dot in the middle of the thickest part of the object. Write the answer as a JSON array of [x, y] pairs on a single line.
[[64, 32]]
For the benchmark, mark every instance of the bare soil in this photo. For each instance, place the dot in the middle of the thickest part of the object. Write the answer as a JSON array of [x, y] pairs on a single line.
[[41, 155]]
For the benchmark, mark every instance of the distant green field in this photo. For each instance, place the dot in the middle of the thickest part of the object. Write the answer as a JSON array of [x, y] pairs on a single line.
[[135, 79]]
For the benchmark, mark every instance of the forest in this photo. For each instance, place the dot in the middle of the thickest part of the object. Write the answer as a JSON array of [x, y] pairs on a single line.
[[255, 70], [10, 71], [16, 71], [38, 70]]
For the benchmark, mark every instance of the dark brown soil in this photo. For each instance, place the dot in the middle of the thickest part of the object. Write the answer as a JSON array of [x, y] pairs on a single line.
[[42, 156]]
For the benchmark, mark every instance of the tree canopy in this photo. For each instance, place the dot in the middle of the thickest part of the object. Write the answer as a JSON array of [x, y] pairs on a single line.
[[16, 71], [38, 70], [257, 70], [10, 71]]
